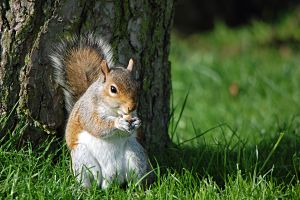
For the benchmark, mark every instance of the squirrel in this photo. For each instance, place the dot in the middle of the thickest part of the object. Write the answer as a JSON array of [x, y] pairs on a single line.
[[101, 100]]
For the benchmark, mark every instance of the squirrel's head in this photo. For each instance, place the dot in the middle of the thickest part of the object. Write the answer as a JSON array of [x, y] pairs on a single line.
[[119, 88]]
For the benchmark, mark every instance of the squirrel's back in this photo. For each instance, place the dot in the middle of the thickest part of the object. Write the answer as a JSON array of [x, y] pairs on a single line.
[[77, 64]]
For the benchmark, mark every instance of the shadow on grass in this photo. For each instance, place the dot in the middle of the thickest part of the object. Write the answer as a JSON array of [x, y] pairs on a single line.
[[276, 158]]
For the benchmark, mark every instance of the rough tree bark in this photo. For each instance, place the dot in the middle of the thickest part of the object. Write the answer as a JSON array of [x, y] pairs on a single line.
[[135, 28]]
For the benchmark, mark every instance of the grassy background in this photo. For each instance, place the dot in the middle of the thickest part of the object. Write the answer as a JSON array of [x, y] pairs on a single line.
[[237, 131]]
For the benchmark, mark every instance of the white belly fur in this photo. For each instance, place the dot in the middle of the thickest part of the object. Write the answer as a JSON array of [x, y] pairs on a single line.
[[109, 153]]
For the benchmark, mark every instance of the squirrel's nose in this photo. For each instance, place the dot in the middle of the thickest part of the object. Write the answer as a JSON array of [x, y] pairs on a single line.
[[130, 107]]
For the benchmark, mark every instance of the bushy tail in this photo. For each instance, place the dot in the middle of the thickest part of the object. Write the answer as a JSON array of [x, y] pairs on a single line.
[[77, 64]]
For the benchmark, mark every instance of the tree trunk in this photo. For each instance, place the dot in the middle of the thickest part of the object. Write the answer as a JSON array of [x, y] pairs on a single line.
[[136, 28]]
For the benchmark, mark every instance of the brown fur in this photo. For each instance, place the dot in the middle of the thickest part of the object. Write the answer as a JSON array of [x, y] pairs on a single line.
[[96, 125], [127, 89], [74, 127], [82, 69], [92, 124]]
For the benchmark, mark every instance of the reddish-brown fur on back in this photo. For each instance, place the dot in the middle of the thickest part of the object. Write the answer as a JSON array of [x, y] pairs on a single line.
[[74, 127], [82, 69]]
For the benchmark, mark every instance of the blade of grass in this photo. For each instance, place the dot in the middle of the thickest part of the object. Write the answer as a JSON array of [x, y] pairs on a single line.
[[272, 151], [180, 114], [202, 133]]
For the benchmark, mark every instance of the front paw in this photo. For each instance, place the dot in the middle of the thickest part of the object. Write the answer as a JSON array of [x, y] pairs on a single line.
[[123, 125], [135, 123]]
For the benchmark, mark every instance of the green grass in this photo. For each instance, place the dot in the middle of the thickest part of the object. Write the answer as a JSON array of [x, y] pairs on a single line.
[[265, 73], [239, 144], [28, 174]]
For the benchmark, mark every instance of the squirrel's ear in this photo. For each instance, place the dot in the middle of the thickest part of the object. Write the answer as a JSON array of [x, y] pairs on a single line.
[[104, 69], [130, 64]]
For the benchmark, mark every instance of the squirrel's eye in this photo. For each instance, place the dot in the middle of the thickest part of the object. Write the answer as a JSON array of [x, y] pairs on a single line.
[[113, 89]]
